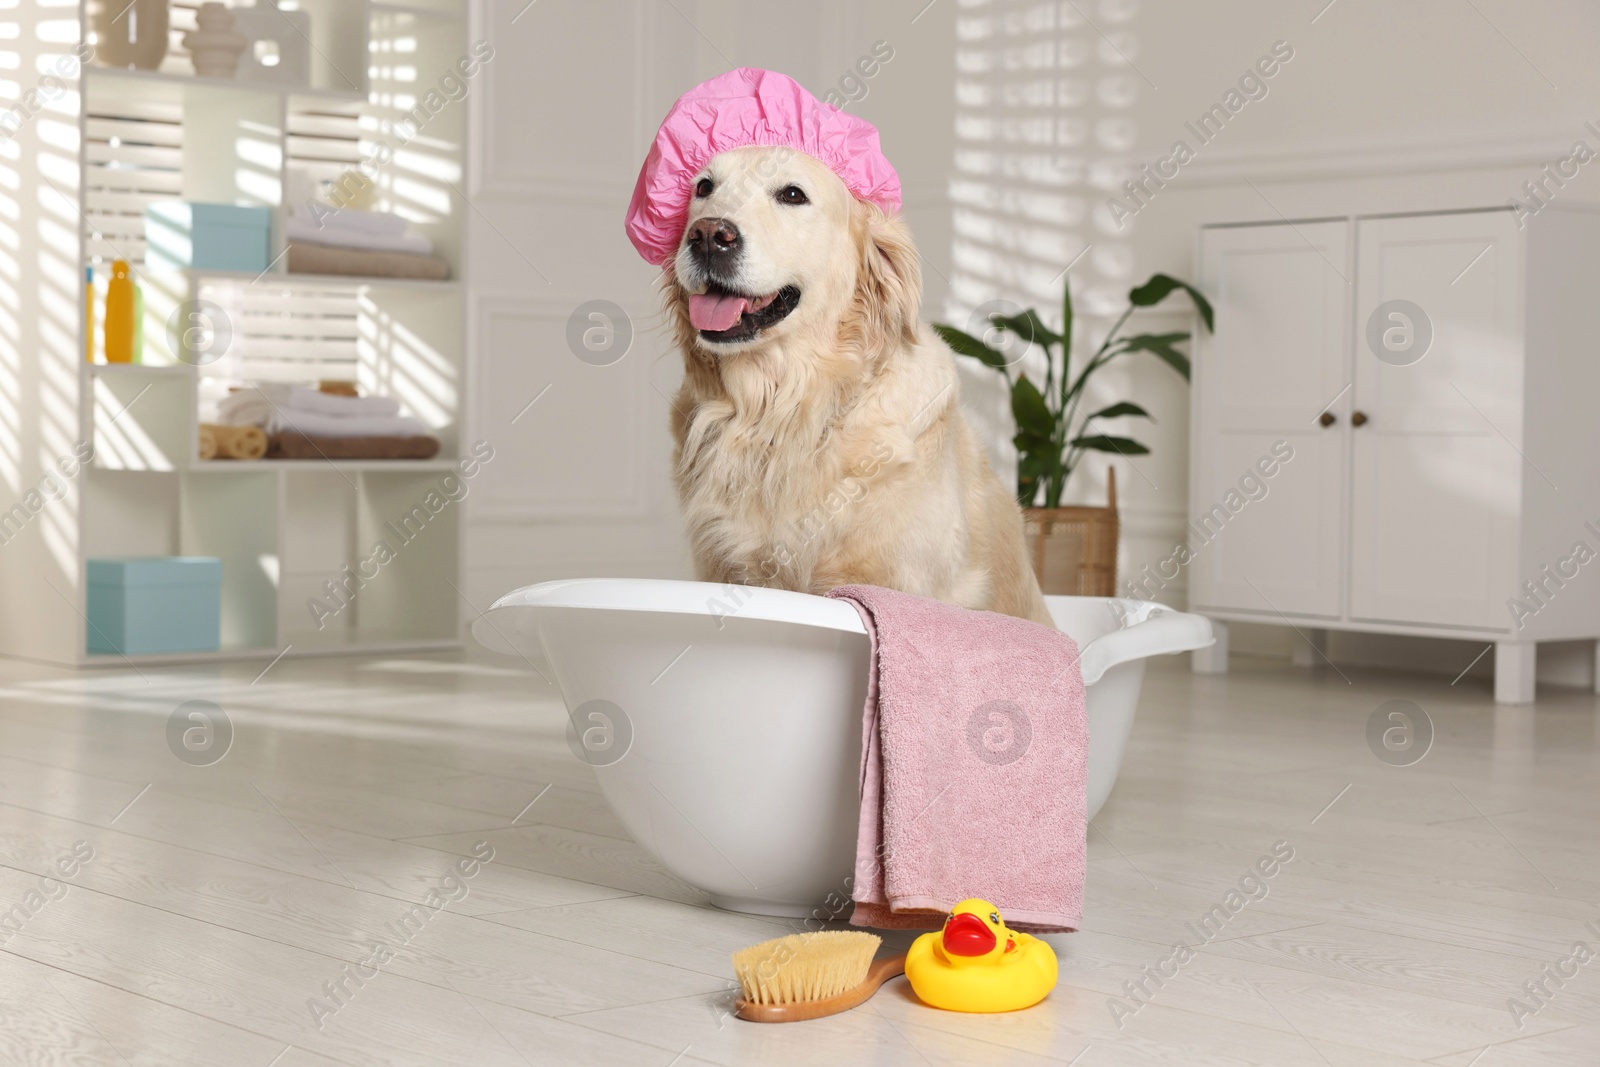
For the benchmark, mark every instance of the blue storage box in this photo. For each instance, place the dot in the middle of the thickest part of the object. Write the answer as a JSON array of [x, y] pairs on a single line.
[[155, 604], [188, 234]]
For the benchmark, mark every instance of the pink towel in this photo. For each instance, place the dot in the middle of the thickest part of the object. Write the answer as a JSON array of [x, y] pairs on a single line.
[[975, 751]]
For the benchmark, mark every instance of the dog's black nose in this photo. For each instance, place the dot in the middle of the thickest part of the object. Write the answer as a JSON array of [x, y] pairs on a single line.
[[713, 240]]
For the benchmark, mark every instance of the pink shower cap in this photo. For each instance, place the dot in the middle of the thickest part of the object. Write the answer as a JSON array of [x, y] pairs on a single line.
[[735, 110]]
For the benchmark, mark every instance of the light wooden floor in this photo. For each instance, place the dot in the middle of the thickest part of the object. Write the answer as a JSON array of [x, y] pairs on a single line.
[[220, 899]]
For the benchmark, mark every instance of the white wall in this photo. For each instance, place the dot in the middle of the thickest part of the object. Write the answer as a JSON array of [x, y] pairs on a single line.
[[1427, 104]]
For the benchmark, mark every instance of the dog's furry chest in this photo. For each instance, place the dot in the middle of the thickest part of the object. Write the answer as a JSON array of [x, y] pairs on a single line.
[[764, 512]]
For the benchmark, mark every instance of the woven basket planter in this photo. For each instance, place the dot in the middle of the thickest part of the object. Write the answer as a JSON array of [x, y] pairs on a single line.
[[1074, 550]]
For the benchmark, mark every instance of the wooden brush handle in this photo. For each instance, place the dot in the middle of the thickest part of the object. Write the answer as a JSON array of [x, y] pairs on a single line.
[[880, 972]]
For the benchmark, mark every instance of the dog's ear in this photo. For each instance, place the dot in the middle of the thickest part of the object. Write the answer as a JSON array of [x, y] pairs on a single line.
[[888, 279]]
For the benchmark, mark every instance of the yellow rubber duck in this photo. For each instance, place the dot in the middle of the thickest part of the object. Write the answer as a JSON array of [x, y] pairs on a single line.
[[977, 964]]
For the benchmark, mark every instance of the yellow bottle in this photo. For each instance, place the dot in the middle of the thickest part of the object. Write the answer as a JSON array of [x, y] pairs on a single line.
[[138, 323], [120, 314]]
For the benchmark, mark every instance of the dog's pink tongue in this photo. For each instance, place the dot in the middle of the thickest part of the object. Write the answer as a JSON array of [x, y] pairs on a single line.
[[709, 311]]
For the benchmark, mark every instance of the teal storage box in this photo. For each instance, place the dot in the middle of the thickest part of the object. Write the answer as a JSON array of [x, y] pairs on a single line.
[[150, 604], [186, 234]]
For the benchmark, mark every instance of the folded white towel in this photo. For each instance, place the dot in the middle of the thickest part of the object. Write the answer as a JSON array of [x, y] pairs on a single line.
[[313, 424], [333, 218], [255, 406], [308, 232]]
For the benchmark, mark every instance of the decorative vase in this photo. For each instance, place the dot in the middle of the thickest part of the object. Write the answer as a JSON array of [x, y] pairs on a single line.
[[1074, 549], [130, 34], [215, 48]]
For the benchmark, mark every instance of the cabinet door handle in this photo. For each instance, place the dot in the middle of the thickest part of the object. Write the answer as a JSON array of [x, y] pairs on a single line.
[[1328, 418], [1359, 418]]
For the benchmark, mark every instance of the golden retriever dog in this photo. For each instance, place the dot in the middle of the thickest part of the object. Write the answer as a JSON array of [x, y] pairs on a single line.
[[819, 438]]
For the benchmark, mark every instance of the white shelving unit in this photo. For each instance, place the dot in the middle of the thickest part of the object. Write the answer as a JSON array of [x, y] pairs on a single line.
[[290, 533]]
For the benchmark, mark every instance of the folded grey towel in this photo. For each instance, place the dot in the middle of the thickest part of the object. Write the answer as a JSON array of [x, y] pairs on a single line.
[[307, 258], [299, 446]]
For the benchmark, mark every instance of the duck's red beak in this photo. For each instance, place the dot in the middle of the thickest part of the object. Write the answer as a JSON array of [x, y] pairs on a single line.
[[968, 935]]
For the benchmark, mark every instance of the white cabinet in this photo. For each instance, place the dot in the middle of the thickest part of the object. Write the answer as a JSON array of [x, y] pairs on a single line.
[[1421, 388]]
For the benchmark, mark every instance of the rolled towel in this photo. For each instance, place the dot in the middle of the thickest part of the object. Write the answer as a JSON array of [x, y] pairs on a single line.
[[347, 219], [237, 442], [303, 231]]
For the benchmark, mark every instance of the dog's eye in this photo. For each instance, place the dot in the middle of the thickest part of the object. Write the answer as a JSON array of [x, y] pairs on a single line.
[[792, 194], [703, 187]]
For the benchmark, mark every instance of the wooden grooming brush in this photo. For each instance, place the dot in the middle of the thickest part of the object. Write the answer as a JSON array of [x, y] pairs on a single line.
[[808, 976]]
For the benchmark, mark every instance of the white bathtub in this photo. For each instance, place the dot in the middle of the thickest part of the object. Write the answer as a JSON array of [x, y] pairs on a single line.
[[724, 724]]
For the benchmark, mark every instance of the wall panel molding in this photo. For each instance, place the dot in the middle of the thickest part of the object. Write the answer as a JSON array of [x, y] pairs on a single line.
[[1322, 160], [633, 499], [564, 180]]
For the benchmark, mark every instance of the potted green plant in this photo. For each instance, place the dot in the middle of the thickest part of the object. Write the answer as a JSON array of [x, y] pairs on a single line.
[[1074, 548]]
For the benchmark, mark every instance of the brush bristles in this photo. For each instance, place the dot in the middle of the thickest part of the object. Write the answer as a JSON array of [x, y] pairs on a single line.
[[804, 967]]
